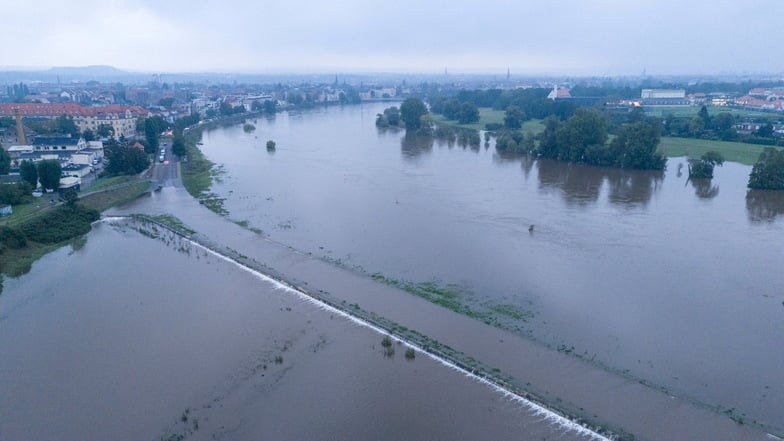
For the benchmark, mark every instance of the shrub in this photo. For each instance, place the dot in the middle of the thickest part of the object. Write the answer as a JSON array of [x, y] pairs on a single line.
[[61, 224]]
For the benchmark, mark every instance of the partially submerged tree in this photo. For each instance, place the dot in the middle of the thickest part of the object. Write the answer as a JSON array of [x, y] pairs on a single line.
[[768, 172], [411, 112], [703, 168], [390, 118]]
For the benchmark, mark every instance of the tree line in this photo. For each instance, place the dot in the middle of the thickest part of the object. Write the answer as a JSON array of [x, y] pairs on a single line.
[[719, 127]]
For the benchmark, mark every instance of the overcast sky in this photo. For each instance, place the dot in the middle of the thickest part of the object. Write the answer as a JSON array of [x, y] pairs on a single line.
[[597, 37]]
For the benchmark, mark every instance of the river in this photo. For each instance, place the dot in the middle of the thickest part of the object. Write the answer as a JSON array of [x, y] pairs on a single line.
[[646, 273], [149, 337], [641, 274]]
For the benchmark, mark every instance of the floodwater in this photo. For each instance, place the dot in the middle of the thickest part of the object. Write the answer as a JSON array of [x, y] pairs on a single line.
[[148, 336], [646, 273]]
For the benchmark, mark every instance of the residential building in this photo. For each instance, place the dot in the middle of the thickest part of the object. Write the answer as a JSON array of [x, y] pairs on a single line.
[[663, 97], [121, 118]]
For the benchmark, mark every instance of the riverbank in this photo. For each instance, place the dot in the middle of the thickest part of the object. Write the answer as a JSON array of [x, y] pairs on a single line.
[[17, 261]]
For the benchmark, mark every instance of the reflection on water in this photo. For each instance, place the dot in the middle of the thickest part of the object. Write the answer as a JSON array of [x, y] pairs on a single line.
[[764, 205], [633, 187], [704, 188], [580, 185], [413, 146]]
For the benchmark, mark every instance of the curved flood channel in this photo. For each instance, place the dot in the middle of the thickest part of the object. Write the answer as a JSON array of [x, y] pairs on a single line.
[[140, 334], [648, 274]]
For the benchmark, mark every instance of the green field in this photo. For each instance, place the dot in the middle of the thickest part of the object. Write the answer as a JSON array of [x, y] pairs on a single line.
[[690, 111], [116, 196], [101, 183], [488, 116], [694, 148]]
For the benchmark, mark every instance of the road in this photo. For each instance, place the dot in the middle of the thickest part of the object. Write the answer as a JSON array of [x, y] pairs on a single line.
[[166, 173]]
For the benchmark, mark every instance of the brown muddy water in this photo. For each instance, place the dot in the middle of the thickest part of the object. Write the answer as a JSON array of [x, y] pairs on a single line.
[[662, 279], [148, 336]]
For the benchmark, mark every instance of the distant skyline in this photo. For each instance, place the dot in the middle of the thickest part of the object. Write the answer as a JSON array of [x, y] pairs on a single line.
[[557, 37]]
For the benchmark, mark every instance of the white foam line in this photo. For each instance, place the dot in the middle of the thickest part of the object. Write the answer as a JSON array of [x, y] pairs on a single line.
[[535, 408]]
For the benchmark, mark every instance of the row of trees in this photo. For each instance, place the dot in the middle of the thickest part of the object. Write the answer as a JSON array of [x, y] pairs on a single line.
[[717, 127], [583, 138], [465, 112], [533, 102], [47, 172], [268, 106], [123, 158]]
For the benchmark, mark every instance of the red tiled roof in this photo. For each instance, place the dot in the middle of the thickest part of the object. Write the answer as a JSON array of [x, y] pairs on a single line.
[[70, 109]]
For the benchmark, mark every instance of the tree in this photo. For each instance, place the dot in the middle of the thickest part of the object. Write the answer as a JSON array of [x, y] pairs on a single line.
[[723, 121], [178, 146], [49, 172], [70, 197], [106, 131], [270, 106], [705, 116], [513, 117], [5, 162], [88, 135], [583, 129], [548, 139], [724, 125], [136, 160], [226, 109], [765, 131], [166, 102], [451, 109], [697, 126], [29, 173], [469, 113], [151, 134], [768, 172], [392, 115], [124, 159], [703, 168], [14, 194], [636, 115], [411, 112], [185, 121], [270, 145], [64, 124], [635, 147]]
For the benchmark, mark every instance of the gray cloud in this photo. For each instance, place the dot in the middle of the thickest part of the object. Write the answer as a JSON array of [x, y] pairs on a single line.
[[570, 36]]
